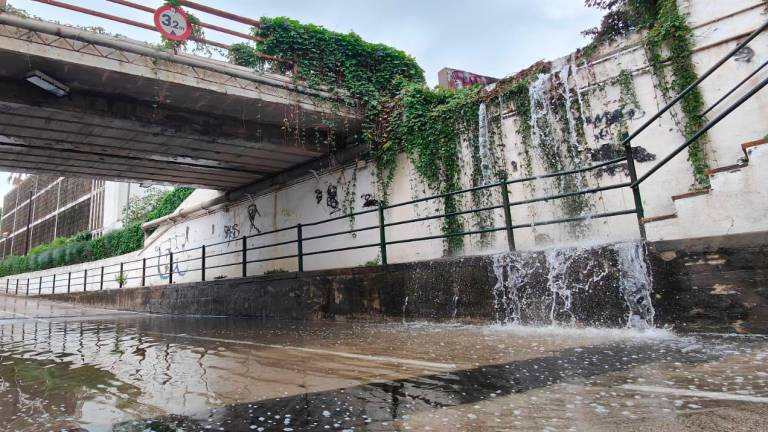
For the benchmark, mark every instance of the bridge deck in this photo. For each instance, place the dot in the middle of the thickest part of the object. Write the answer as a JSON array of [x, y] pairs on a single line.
[[138, 113]]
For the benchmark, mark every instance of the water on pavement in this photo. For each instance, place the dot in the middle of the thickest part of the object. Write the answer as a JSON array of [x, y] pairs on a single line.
[[76, 369]]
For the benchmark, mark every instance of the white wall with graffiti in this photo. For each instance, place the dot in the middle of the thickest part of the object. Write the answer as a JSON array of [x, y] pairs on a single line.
[[578, 115]]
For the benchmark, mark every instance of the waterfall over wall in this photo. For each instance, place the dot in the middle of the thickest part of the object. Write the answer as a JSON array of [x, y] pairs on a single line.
[[600, 286]]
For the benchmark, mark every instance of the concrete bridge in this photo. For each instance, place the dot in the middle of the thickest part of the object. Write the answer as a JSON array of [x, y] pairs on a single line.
[[130, 111]]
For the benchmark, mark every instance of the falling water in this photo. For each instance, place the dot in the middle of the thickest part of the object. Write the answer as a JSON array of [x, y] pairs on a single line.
[[485, 148], [636, 284], [564, 74], [575, 286], [405, 306]]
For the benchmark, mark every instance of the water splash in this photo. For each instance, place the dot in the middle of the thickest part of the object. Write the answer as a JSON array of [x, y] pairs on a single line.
[[597, 286], [405, 306], [636, 284], [486, 163]]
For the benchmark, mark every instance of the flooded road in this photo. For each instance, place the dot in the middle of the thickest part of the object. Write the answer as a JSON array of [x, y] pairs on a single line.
[[75, 369]]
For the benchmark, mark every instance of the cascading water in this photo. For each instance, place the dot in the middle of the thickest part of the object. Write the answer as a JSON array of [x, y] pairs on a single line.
[[599, 286], [636, 284], [486, 163]]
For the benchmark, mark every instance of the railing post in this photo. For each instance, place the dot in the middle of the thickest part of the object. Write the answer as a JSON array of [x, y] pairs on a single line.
[[53, 286], [636, 188], [101, 279], [170, 268], [507, 216], [69, 281], [27, 287], [85, 280], [202, 263], [382, 235], [245, 256], [17, 287], [7, 285], [300, 247], [122, 276], [143, 272], [40, 286]]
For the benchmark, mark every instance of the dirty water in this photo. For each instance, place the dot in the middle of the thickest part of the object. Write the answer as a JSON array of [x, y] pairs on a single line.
[[79, 369]]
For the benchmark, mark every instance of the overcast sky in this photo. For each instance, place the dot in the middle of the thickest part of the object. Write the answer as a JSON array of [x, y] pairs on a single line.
[[491, 37]]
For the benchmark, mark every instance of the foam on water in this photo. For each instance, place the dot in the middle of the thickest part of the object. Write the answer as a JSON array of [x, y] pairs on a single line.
[[581, 333], [532, 290]]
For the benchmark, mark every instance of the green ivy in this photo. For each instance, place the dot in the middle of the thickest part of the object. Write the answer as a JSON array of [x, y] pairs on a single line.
[[82, 248], [669, 41], [429, 126]]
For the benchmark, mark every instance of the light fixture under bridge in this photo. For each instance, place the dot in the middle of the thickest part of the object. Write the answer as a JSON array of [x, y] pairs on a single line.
[[47, 83]]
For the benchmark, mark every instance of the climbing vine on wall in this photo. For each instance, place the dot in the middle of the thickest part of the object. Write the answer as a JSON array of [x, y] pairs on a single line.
[[669, 45], [401, 114]]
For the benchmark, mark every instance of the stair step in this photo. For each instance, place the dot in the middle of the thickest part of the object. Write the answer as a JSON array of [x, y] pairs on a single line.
[[746, 146], [658, 218], [690, 194], [727, 168]]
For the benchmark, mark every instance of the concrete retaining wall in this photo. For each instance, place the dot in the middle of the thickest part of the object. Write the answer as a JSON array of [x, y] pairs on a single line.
[[715, 284]]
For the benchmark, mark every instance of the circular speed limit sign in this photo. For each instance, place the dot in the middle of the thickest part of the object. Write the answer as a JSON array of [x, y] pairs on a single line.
[[173, 23]]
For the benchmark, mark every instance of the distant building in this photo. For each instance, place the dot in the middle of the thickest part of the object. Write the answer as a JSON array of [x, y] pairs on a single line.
[[61, 207], [458, 79]]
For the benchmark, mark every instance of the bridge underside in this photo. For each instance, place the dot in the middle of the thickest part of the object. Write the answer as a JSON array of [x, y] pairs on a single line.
[[133, 117]]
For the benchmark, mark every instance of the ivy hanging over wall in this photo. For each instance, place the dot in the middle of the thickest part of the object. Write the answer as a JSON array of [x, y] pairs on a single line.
[[669, 44], [669, 41], [400, 113]]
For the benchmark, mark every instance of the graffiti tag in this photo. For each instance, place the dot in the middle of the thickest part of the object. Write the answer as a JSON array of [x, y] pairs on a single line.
[[253, 211], [231, 232]]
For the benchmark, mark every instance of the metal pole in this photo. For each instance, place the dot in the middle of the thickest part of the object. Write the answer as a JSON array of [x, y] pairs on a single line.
[[202, 264], [85, 280], [29, 221], [143, 272], [7, 285], [53, 286], [40, 286], [101, 279], [507, 216], [69, 281], [170, 268], [635, 187], [27, 287], [245, 256], [122, 277], [382, 236], [17, 287], [300, 247]]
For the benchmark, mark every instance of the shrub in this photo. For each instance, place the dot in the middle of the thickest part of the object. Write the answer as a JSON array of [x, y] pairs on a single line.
[[83, 248]]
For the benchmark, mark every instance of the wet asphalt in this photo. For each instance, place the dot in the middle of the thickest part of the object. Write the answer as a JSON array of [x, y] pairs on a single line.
[[78, 369]]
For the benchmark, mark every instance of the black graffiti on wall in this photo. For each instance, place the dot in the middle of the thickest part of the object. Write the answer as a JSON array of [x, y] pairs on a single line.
[[332, 199], [602, 123], [369, 200], [231, 232], [253, 211]]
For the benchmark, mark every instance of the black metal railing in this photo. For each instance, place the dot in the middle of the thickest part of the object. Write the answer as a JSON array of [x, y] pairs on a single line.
[[210, 256]]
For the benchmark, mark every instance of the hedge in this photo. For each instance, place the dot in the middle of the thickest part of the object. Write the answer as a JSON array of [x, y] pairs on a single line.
[[82, 248]]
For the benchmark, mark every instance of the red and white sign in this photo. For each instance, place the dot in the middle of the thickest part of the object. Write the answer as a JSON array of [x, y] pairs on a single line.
[[173, 23]]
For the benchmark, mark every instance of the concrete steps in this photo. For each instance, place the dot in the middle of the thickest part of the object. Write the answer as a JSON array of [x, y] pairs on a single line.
[[737, 201]]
